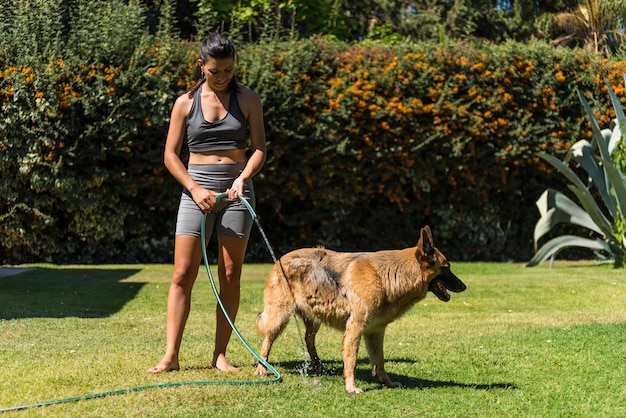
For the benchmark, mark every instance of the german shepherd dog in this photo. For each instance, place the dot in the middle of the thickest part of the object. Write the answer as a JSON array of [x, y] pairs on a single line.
[[357, 293]]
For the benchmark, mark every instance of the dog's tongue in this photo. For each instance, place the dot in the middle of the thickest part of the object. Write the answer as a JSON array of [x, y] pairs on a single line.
[[439, 289]]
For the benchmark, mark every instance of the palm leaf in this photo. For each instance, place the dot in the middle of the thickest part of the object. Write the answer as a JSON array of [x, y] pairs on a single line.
[[618, 183], [615, 136], [598, 138], [555, 245], [582, 153], [556, 208], [564, 169], [619, 121], [617, 105], [590, 205]]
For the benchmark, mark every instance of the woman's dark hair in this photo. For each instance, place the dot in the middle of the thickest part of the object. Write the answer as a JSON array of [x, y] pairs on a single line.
[[216, 46]]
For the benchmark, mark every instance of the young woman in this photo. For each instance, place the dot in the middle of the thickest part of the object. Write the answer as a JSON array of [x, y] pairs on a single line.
[[216, 118]]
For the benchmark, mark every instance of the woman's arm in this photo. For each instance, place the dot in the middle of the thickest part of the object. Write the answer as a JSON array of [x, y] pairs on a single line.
[[252, 108], [171, 156]]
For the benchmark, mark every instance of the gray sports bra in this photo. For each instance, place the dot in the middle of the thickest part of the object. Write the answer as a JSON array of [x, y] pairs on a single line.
[[229, 133]]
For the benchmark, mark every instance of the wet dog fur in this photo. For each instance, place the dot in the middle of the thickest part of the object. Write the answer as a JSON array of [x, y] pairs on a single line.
[[357, 293]]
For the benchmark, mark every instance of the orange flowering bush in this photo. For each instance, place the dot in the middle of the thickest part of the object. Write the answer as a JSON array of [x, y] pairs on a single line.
[[366, 144], [370, 142], [80, 154]]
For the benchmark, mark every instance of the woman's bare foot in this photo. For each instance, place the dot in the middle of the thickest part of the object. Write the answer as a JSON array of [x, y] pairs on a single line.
[[222, 364], [165, 366]]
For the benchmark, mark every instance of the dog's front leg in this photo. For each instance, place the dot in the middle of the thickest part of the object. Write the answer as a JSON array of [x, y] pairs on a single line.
[[374, 344], [350, 351], [261, 370], [270, 330]]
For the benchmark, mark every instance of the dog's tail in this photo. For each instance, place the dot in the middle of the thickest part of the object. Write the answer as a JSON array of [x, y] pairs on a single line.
[[260, 323], [280, 271], [274, 316]]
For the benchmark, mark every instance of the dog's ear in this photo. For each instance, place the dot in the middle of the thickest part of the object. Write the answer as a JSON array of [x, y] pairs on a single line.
[[426, 241]]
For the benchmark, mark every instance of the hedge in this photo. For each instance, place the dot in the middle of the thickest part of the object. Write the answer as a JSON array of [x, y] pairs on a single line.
[[367, 143], [371, 142]]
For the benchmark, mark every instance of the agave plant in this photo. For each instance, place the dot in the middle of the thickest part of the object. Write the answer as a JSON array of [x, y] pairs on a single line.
[[601, 197]]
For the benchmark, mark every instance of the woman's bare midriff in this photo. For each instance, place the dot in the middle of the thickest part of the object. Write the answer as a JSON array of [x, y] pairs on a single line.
[[218, 157]]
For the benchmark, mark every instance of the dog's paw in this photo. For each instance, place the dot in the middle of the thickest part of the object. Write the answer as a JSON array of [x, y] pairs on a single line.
[[260, 371], [318, 368], [394, 385], [354, 391]]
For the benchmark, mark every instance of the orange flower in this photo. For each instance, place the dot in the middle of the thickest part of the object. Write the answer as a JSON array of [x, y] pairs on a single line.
[[559, 76], [479, 66]]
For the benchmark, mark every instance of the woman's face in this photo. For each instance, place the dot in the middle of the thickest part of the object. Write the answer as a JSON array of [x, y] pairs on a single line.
[[218, 72]]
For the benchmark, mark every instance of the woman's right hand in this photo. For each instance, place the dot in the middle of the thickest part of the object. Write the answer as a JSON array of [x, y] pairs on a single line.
[[205, 199]]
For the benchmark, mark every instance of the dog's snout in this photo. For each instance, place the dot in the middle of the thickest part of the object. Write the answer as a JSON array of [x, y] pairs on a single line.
[[453, 283]]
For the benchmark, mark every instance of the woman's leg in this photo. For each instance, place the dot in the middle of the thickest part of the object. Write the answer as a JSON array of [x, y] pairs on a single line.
[[187, 255], [230, 261]]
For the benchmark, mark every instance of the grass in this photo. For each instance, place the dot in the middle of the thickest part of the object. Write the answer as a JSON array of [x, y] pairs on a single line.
[[520, 342]]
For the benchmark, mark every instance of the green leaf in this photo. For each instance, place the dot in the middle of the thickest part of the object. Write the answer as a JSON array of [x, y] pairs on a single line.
[[620, 119], [617, 105], [582, 152], [617, 181], [616, 136], [590, 205], [564, 169], [554, 246], [598, 138], [556, 208]]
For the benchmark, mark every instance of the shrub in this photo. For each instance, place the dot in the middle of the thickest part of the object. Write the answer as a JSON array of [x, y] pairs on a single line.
[[370, 142], [81, 142], [367, 143], [603, 216]]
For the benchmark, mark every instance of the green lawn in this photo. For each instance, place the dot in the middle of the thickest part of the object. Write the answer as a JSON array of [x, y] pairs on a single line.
[[520, 342]]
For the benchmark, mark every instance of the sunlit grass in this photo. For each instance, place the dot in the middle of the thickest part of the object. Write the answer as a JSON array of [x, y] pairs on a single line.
[[534, 342]]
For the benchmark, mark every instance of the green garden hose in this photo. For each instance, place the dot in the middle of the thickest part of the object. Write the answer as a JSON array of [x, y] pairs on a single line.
[[176, 384]]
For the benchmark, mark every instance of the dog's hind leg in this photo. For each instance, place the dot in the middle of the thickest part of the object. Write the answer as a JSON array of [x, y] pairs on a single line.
[[312, 326], [272, 321], [374, 345], [270, 327]]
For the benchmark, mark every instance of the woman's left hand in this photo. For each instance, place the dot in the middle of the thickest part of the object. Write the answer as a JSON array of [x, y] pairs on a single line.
[[237, 189]]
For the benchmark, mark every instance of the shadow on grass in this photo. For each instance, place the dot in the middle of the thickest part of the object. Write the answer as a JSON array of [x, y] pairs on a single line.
[[59, 293], [363, 373]]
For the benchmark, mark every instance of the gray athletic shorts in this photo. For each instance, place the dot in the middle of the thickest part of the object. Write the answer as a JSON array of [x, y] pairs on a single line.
[[231, 217]]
